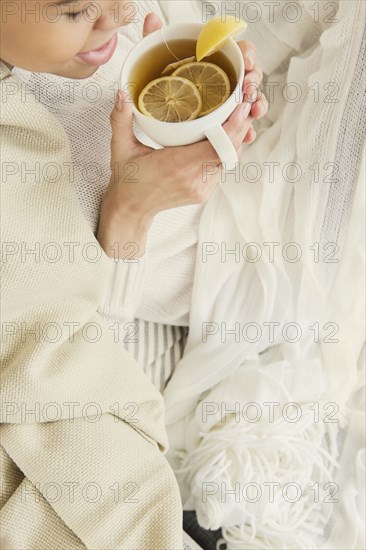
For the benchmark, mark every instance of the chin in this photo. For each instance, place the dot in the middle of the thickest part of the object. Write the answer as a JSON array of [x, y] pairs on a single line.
[[78, 72], [87, 73]]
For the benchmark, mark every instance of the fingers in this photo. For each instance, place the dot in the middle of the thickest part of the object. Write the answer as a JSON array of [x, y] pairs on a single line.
[[255, 75], [260, 107], [254, 94], [249, 53], [203, 150], [239, 129], [152, 23], [251, 86], [236, 128], [251, 135], [123, 138], [253, 78], [238, 124]]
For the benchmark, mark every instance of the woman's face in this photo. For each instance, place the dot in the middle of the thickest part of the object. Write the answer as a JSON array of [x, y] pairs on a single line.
[[48, 35]]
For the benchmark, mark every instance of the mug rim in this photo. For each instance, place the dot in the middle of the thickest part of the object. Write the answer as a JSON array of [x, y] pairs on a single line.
[[197, 121]]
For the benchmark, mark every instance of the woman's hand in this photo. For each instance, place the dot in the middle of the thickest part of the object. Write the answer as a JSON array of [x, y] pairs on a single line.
[[146, 181], [251, 87]]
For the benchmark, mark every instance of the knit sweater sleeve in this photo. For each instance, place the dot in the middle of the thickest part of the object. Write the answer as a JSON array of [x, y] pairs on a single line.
[[56, 347], [123, 294]]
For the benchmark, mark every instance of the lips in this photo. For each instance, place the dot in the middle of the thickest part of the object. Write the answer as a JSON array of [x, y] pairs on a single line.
[[102, 55]]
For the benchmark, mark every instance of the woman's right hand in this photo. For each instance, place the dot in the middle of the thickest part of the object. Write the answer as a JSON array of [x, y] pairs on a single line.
[[146, 181]]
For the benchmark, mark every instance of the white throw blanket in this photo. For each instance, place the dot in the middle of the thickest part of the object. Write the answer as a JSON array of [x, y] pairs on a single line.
[[277, 402]]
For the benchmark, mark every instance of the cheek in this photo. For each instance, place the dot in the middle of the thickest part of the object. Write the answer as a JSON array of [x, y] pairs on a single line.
[[63, 41], [44, 46]]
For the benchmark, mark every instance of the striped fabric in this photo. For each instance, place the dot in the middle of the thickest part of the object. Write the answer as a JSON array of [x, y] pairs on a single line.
[[156, 347]]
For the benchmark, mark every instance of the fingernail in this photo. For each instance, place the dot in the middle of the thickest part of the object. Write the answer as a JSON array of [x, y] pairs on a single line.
[[119, 101], [246, 109], [250, 90], [251, 58], [253, 95]]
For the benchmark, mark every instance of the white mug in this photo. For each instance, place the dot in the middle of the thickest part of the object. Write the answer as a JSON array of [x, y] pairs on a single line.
[[158, 134]]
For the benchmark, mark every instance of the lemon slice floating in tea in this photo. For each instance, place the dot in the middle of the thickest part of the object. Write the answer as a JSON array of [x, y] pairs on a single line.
[[170, 99], [172, 66], [211, 81], [215, 33]]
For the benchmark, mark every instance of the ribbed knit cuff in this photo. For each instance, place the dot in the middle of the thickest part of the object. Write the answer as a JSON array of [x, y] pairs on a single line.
[[124, 293]]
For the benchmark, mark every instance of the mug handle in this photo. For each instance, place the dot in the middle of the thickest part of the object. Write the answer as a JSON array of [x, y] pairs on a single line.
[[143, 138], [223, 146]]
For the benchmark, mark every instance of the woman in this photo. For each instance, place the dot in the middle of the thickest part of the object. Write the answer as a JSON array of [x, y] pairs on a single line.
[[83, 429]]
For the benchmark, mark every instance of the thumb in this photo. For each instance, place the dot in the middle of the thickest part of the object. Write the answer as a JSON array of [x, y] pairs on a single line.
[[152, 23], [123, 138]]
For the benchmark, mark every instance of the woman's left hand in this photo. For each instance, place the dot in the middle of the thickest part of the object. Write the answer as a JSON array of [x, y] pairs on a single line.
[[252, 81]]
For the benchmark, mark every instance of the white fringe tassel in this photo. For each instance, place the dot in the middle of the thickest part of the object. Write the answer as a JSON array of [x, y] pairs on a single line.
[[267, 485]]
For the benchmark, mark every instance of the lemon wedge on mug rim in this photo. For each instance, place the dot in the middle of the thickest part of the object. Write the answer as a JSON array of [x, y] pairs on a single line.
[[215, 33], [211, 81], [170, 99]]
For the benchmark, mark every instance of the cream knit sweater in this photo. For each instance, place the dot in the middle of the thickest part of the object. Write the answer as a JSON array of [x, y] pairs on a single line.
[[56, 347]]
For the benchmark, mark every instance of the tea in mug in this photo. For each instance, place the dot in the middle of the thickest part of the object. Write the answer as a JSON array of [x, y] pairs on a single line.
[[188, 90]]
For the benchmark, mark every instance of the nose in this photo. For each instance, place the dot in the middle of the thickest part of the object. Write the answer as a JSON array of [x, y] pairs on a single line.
[[115, 14]]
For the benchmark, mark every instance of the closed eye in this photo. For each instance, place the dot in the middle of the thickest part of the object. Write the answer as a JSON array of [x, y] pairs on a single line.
[[87, 11]]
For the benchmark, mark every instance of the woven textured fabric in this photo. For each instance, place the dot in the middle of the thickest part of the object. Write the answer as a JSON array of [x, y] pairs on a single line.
[[108, 497]]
